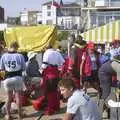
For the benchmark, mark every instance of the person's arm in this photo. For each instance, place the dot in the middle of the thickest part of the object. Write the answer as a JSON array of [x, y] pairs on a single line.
[[2, 69], [81, 68], [72, 108], [68, 116], [2, 65], [23, 63], [44, 61]]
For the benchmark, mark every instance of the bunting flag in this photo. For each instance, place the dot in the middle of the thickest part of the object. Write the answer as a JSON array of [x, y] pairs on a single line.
[[103, 34]]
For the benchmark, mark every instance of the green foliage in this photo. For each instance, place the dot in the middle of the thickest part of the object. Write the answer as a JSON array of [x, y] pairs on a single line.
[[17, 21], [63, 35], [1, 36]]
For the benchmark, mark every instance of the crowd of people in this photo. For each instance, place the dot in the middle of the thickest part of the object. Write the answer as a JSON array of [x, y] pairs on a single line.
[[62, 77]]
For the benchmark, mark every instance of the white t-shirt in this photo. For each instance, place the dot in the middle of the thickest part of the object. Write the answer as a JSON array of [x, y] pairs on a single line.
[[82, 107], [113, 52]]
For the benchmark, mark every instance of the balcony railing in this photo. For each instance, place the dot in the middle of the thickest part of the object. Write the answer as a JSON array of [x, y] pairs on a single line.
[[107, 3]]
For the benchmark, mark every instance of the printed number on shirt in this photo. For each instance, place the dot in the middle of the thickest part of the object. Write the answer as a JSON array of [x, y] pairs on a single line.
[[12, 64]]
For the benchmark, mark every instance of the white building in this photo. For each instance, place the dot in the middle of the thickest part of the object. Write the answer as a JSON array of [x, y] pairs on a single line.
[[49, 14], [102, 13], [66, 17], [84, 14], [107, 3], [30, 17], [3, 26]]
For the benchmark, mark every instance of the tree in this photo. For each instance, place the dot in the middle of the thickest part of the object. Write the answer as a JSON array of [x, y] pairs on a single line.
[[17, 21], [1, 36], [63, 35]]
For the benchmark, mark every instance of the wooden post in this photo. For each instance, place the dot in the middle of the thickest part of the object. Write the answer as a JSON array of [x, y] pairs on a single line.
[[69, 38]]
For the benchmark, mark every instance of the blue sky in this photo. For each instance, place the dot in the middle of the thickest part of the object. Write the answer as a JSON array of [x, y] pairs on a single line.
[[13, 7]]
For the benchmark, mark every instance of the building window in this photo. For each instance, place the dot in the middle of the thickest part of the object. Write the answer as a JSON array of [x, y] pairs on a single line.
[[101, 20], [48, 13], [48, 7], [117, 17], [93, 20]]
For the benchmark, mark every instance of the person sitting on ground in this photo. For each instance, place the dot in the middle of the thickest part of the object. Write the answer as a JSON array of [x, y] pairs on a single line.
[[33, 74], [80, 106], [32, 67]]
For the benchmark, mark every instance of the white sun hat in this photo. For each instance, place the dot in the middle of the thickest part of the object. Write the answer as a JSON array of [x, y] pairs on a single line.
[[31, 54]]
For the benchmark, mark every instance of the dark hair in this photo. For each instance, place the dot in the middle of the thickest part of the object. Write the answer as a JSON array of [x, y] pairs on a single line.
[[14, 44], [80, 40], [66, 82]]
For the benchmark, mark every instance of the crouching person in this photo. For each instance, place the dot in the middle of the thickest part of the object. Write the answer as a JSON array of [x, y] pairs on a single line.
[[13, 64], [80, 106]]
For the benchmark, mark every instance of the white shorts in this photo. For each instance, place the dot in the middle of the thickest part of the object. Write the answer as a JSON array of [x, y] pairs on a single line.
[[14, 83]]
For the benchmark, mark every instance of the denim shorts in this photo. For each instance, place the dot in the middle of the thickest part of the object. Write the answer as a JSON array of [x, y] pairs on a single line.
[[14, 83]]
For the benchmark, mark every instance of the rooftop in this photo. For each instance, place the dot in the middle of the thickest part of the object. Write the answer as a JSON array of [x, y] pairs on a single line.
[[64, 5]]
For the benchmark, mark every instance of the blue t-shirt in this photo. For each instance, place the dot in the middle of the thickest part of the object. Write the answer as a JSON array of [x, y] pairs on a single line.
[[104, 58]]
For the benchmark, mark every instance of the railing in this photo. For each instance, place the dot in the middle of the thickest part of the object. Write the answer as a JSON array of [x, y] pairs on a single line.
[[114, 4], [107, 3]]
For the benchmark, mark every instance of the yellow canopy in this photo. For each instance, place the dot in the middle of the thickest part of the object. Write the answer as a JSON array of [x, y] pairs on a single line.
[[32, 38], [106, 33]]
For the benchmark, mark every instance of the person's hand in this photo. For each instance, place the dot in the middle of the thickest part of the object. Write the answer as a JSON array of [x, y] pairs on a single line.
[[2, 75], [41, 82], [41, 71]]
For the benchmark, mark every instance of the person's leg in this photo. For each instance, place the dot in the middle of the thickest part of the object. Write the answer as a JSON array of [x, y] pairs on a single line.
[[8, 104], [18, 89], [17, 95]]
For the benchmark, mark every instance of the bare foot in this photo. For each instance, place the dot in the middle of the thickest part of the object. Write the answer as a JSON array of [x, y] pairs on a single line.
[[7, 117]]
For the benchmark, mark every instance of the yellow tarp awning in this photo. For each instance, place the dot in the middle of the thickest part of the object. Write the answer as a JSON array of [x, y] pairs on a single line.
[[106, 33], [32, 38]]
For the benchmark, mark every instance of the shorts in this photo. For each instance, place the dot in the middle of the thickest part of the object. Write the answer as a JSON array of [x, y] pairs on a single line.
[[14, 84]]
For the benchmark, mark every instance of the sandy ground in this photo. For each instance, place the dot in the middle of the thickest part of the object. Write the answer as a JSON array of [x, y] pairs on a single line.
[[34, 115]]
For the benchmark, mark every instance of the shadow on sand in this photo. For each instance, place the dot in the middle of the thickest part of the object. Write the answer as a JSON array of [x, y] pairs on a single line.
[[39, 114]]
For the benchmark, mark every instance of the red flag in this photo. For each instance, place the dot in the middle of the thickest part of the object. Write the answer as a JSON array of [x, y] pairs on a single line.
[[55, 4]]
